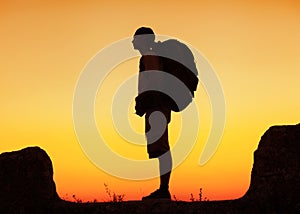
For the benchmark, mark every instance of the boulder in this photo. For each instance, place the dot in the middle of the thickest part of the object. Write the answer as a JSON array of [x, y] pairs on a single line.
[[26, 179], [275, 174]]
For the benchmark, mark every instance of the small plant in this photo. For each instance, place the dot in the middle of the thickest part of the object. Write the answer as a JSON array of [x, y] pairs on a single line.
[[66, 197], [113, 197], [192, 198], [174, 198], [200, 194], [77, 200]]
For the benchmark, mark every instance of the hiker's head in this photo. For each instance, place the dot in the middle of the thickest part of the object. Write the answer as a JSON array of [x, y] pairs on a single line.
[[143, 39]]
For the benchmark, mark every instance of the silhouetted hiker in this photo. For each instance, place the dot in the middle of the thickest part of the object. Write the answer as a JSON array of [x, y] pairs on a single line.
[[168, 78], [151, 102]]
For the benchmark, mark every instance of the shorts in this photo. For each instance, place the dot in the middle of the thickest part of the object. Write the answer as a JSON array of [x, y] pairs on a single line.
[[159, 134]]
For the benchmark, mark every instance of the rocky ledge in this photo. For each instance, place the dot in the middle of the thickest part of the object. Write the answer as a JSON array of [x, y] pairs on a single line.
[[27, 186]]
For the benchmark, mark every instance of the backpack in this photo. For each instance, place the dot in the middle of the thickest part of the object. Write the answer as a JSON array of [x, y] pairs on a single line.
[[178, 60]]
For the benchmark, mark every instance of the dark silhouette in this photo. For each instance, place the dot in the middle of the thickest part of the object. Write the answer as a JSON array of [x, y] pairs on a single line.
[[150, 102], [276, 171], [26, 180], [167, 81], [178, 61]]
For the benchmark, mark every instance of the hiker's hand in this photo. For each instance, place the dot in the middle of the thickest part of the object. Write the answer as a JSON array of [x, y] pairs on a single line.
[[139, 110]]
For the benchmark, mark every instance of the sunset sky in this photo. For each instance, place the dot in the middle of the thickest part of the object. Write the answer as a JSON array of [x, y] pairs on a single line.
[[253, 47]]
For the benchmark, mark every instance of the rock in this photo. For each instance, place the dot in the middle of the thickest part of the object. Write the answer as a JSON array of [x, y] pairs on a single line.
[[276, 170], [26, 182], [26, 179]]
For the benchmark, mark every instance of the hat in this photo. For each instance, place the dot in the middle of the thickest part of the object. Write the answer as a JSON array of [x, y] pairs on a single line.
[[143, 30]]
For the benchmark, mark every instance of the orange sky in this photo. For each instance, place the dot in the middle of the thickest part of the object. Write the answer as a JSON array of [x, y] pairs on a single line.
[[252, 45]]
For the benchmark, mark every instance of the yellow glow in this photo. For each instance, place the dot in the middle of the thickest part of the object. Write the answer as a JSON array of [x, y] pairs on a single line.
[[254, 48]]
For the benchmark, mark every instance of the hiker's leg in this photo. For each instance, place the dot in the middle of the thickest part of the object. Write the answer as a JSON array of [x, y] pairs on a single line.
[[165, 168], [160, 148]]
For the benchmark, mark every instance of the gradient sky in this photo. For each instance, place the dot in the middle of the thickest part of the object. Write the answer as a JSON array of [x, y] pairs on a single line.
[[252, 45]]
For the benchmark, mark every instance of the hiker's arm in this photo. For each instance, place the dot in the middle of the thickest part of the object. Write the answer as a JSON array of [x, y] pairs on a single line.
[[152, 63], [149, 81]]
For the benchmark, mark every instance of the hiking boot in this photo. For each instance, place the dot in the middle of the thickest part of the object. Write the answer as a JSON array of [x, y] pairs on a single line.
[[159, 194]]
